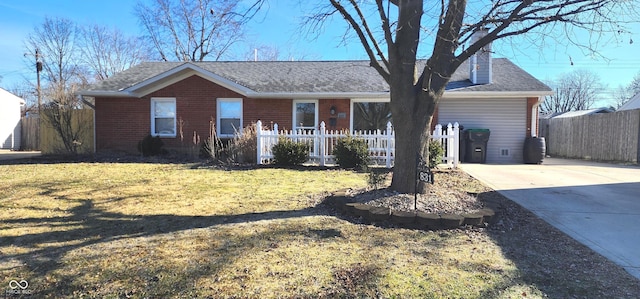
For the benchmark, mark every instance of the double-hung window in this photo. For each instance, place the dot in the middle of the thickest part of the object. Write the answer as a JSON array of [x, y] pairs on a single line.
[[229, 117], [305, 114], [163, 117]]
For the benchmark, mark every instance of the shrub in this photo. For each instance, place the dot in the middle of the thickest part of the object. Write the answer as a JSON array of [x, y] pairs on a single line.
[[436, 152], [352, 152], [150, 146], [243, 147], [377, 177], [288, 153], [212, 147]]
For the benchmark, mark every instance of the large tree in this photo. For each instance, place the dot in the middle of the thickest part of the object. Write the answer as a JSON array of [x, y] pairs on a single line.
[[106, 51], [194, 30], [576, 90], [392, 31]]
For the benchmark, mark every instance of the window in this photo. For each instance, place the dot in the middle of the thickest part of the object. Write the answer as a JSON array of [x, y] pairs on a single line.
[[163, 117], [305, 114], [370, 115], [229, 117]]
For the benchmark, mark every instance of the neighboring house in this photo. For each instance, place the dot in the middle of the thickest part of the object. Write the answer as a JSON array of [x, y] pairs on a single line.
[[583, 112], [633, 103], [10, 115], [159, 98]]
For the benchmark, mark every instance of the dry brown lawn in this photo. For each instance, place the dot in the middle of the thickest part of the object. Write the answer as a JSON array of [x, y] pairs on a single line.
[[138, 230]]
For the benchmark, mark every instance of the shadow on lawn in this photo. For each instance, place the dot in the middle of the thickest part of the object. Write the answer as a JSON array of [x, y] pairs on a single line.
[[87, 225]]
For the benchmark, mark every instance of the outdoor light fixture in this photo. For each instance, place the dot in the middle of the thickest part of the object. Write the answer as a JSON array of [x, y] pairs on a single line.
[[332, 110]]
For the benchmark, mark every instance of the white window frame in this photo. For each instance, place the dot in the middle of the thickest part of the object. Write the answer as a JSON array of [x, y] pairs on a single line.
[[293, 114], [362, 101], [219, 101], [153, 116]]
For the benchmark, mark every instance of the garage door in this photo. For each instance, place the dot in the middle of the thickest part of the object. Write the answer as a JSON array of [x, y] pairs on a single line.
[[506, 118]]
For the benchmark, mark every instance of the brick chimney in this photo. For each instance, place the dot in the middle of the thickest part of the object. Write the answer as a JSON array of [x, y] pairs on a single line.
[[480, 69]]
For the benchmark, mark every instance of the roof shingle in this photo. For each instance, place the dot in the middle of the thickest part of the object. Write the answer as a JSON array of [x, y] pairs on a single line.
[[318, 77]]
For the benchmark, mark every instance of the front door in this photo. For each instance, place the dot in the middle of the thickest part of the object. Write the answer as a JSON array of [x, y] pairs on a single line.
[[305, 114]]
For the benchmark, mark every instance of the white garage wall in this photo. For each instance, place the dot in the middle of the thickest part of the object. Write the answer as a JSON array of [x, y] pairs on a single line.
[[506, 118], [9, 120]]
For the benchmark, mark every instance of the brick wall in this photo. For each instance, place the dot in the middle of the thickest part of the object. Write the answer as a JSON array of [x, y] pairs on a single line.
[[122, 122], [269, 111], [342, 106]]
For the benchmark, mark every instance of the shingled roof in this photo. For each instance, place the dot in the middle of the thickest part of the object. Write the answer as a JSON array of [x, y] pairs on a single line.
[[266, 78]]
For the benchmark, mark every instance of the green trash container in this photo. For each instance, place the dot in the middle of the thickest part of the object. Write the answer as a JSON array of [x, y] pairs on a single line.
[[476, 147]]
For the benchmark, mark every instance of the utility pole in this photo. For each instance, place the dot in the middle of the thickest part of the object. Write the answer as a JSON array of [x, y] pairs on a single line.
[[38, 70]]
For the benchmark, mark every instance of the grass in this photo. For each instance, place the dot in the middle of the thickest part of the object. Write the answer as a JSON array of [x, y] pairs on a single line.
[[135, 230]]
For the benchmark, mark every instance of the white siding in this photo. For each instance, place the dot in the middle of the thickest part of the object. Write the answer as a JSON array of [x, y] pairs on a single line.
[[9, 123], [506, 118]]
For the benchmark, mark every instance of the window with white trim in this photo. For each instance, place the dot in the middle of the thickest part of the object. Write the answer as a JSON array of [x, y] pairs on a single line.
[[370, 115], [229, 117], [305, 114], [163, 117]]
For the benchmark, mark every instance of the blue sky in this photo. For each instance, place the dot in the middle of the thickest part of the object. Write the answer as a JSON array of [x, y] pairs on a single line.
[[278, 27]]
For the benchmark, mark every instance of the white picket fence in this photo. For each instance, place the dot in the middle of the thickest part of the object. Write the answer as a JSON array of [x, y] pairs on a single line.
[[381, 143]]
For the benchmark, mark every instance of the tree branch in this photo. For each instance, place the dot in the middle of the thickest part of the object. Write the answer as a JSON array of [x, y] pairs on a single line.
[[363, 39]]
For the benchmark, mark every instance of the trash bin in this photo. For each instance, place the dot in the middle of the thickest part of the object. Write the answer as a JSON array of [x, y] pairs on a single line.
[[476, 147], [534, 150], [462, 145]]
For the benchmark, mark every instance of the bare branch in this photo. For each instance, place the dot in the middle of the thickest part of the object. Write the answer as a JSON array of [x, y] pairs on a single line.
[[367, 44], [195, 30]]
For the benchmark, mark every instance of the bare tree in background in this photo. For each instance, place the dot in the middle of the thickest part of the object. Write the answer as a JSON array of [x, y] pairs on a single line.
[[577, 90], [275, 53], [194, 30], [624, 93], [26, 91], [392, 31], [57, 41], [106, 51]]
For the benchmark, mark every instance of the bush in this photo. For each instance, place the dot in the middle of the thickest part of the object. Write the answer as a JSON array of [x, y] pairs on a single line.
[[243, 147], [352, 152], [150, 146], [436, 152], [288, 153]]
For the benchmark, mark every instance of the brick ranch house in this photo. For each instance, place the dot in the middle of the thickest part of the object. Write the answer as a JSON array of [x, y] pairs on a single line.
[[155, 97]]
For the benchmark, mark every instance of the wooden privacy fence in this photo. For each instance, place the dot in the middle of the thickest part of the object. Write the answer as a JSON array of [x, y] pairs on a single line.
[[381, 143], [82, 121], [30, 133], [600, 137]]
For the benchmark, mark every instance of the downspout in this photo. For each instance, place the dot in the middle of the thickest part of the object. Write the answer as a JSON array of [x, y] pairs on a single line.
[[535, 116]]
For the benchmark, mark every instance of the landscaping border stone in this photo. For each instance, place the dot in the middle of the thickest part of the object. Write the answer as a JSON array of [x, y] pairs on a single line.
[[344, 203]]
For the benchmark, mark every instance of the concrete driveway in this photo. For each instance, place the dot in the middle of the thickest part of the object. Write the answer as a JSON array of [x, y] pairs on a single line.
[[13, 155], [597, 204]]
